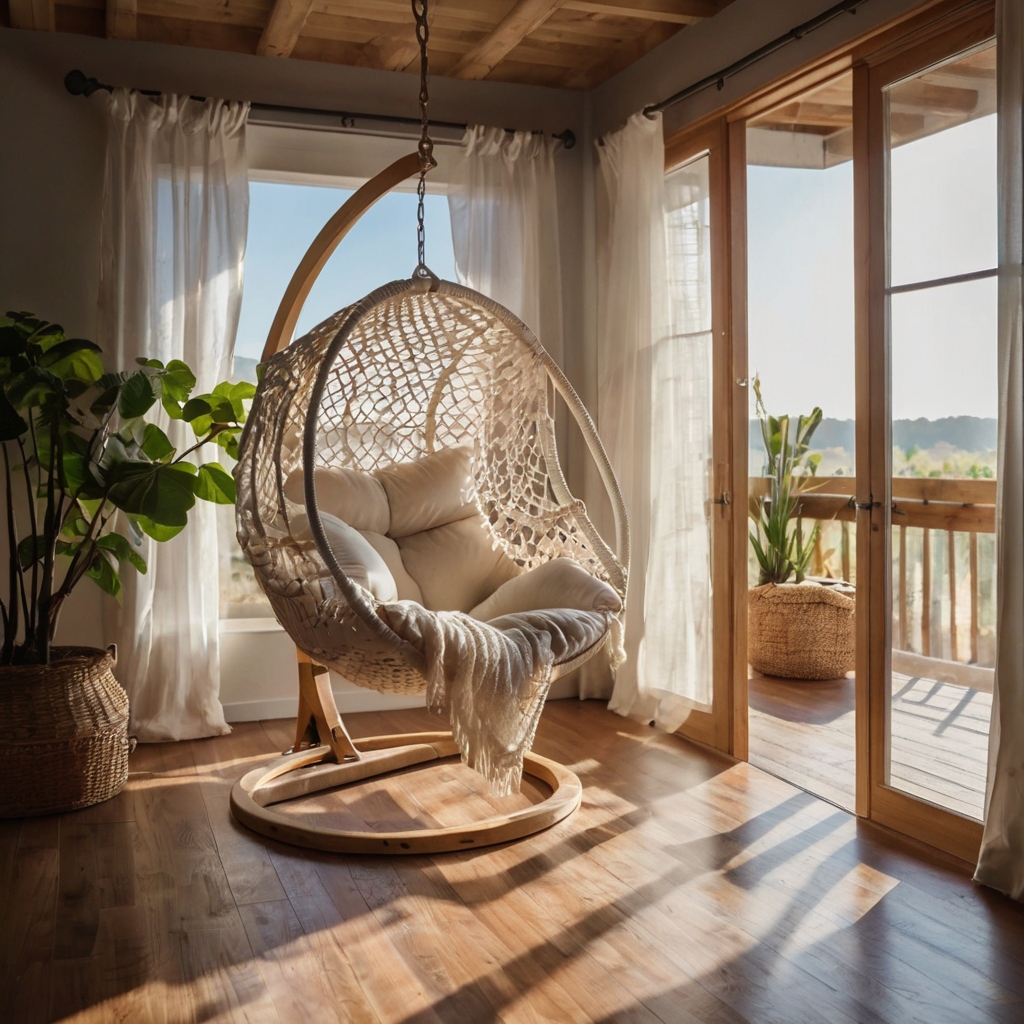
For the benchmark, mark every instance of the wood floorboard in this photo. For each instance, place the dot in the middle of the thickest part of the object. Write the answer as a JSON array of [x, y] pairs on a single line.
[[686, 889]]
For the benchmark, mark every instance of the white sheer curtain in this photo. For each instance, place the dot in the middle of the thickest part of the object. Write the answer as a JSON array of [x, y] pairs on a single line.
[[504, 212], [654, 413], [175, 212], [1002, 852]]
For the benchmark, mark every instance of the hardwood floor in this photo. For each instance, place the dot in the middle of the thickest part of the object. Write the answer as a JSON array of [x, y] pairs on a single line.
[[804, 733], [686, 889]]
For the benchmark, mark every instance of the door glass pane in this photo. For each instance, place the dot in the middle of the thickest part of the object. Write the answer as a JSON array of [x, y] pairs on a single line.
[[944, 419], [801, 348], [942, 162]]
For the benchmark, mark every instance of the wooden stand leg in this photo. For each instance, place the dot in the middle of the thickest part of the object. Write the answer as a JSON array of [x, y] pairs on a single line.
[[319, 722]]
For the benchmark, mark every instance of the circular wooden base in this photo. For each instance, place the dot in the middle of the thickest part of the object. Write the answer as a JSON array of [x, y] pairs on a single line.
[[253, 794]]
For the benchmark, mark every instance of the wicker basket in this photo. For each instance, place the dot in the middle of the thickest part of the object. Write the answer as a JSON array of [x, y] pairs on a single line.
[[801, 630], [63, 733]]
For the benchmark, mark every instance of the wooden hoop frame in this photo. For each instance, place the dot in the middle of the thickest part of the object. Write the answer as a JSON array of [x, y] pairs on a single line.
[[323, 747]]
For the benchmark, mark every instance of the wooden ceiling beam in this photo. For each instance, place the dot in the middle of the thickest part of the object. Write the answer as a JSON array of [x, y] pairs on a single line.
[[524, 18], [678, 14], [122, 19], [287, 18], [35, 14]]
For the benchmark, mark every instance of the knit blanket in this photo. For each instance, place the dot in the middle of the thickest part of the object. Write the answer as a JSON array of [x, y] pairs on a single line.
[[492, 681]]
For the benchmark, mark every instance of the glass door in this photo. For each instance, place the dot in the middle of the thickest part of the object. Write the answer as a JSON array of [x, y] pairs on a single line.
[[930, 398]]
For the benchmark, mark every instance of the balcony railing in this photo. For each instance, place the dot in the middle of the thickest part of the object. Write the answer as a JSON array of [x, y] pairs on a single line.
[[943, 568]]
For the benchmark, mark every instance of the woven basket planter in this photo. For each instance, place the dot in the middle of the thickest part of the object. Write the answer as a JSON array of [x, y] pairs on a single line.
[[801, 630], [63, 733]]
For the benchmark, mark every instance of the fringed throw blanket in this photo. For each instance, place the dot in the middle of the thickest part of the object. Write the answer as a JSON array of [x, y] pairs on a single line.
[[492, 681]]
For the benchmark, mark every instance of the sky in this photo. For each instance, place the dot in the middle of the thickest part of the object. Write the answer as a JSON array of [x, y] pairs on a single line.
[[800, 280], [283, 221]]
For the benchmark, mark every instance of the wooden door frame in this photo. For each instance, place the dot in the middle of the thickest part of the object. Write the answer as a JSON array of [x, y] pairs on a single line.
[[937, 826], [716, 728]]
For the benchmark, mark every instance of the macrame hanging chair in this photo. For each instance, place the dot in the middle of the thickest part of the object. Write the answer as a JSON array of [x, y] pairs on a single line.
[[420, 375]]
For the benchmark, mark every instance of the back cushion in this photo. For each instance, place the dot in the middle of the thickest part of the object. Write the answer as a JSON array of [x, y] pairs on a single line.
[[355, 497], [429, 492], [456, 565]]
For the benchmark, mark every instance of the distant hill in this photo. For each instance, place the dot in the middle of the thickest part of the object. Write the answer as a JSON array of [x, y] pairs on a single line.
[[967, 433], [243, 369]]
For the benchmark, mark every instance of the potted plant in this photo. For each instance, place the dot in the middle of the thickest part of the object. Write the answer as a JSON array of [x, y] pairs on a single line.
[[803, 629], [87, 473]]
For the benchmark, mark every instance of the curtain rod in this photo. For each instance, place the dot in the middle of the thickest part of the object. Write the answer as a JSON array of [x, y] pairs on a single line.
[[718, 79], [79, 84]]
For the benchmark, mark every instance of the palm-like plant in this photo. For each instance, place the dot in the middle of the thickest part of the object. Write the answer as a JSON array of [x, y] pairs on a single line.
[[781, 551]]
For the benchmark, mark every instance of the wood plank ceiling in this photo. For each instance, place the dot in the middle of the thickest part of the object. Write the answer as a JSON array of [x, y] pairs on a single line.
[[574, 44]]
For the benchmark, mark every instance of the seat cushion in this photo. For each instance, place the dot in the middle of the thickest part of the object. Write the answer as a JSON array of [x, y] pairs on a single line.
[[357, 557], [571, 631], [560, 583], [456, 565], [429, 492], [354, 497]]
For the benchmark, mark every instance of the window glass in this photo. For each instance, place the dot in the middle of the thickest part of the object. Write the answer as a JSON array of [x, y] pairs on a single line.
[[283, 221]]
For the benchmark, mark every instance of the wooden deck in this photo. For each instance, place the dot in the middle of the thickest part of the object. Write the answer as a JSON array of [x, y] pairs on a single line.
[[804, 733], [686, 889]]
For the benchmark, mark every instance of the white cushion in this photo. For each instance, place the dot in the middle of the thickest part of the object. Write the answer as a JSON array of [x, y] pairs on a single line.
[[560, 583], [429, 492], [408, 588], [355, 554], [456, 565], [354, 497]]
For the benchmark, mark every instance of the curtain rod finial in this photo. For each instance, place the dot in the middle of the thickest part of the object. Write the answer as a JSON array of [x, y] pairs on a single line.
[[78, 84]]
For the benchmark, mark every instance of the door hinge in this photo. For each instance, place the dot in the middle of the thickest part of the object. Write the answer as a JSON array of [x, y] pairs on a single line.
[[867, 506]]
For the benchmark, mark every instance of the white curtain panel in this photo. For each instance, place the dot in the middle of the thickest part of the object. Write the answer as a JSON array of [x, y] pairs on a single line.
[[654, 413], [504, 212], [1002, 850], [175, 213]]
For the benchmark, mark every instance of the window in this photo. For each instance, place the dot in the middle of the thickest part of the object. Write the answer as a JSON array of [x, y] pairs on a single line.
[[284, 218]]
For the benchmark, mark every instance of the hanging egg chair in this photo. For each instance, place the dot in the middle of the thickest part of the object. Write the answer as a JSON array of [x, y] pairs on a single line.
[[399, 489]]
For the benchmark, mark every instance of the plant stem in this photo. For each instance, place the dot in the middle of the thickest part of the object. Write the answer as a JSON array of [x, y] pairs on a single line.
[[42, 637], [11, 624], [199, 444], [30, 492]]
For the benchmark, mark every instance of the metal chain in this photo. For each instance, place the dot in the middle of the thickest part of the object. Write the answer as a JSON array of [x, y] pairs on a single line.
[[426, 145]]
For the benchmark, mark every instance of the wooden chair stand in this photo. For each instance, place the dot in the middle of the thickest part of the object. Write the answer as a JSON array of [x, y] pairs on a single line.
[[325, 757]]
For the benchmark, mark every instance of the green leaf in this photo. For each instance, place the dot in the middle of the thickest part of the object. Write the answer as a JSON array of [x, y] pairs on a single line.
[[163, 494], [154, 363], [214, 483], [74, 358], [194, 408], [11, 423], [105, 576], [121, 548], [178, 380], [155, 530], [137, 396], [31, 549], [34, 387], [12, 342], [155, 443]]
